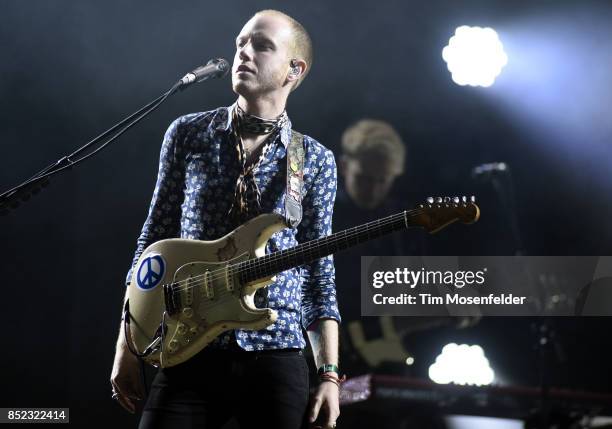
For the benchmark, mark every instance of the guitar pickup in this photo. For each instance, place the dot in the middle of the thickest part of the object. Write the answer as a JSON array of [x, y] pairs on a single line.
[[229, 280], [209, 290], [189, 291]]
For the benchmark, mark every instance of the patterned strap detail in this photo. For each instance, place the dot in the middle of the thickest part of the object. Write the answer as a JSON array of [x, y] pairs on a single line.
[[295, 180]]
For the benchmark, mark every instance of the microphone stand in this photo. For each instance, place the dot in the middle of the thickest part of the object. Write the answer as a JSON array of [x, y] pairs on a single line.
[[12, 198], [506, 195], [546, 336]]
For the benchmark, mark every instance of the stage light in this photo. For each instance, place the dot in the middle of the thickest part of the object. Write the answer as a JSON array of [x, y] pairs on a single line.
[[462, 364], [477, 422], [409, 360], [475, 56]]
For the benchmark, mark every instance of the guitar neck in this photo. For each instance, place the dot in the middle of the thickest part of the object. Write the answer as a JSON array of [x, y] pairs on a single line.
[[305, 253]]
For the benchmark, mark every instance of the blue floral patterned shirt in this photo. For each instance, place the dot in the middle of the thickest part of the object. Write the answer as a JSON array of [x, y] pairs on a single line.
[[198, 169]]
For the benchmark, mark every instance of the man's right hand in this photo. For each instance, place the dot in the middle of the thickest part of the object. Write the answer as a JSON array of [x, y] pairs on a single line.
[[126, 378]]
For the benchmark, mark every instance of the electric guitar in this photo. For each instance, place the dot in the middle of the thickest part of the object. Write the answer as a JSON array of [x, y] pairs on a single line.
[[184, 293]]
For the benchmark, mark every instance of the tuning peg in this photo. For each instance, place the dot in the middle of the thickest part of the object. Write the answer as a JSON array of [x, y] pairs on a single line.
[[447, 200], [473, 199], [456, 200], [464, 199], [439, 200], [430, 200]]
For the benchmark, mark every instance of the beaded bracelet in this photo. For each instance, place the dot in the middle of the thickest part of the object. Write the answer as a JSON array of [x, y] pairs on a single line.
[[328, 377]]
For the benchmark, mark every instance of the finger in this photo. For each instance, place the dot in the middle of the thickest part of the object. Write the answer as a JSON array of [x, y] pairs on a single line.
[[330, 416], [133, 391], [133, 394], [333, 413], [132, 386], [123, 398], [126, 403], [316, 406], [331, 422]]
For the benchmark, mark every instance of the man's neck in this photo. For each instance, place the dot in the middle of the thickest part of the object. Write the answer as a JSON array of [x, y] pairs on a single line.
[[266, 108]]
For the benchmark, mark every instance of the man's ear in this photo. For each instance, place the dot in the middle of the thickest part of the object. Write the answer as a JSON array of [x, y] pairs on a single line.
[[297, 68]]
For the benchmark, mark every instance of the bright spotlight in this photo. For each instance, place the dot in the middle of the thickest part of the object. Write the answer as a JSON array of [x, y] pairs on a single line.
[[474, 56], [462, 364]]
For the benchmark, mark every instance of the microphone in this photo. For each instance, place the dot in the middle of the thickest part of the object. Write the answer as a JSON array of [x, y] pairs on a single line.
[[489, 169], [217, 67]]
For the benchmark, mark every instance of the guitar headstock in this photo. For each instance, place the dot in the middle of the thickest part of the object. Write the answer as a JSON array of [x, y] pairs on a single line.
[[437, 213]]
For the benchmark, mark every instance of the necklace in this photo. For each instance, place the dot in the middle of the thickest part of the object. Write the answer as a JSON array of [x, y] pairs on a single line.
[[256, 125]]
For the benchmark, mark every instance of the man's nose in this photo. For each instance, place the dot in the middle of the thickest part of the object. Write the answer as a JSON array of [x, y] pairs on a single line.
[[243, 52]]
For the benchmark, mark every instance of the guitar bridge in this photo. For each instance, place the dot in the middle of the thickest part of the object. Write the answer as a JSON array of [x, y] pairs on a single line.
[[172, 299]]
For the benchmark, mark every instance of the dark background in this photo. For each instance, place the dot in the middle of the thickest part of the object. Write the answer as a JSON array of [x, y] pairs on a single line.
[[70, 69]]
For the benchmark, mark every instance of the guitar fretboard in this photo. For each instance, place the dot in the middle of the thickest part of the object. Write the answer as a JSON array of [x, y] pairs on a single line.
[[305, 253]]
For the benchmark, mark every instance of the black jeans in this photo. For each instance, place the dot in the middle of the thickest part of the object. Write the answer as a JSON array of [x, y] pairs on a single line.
[[260, 389]]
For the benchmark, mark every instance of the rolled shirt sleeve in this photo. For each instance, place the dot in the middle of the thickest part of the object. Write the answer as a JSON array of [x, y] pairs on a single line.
[[318, 286]]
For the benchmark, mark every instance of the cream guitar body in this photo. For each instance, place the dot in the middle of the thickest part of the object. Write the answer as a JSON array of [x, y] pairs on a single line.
[[184, 293], [209, 298]]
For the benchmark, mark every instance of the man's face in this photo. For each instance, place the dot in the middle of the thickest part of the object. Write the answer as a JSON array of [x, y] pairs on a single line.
[[262, 55], [368, 179]]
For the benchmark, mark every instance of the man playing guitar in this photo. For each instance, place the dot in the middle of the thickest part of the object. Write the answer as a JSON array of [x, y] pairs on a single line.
[[217, 170]]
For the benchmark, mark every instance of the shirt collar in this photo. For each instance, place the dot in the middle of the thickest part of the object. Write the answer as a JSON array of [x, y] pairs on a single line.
[[224, 122]]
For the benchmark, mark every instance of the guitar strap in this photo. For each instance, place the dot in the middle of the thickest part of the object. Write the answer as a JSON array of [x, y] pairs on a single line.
[[295, 180]]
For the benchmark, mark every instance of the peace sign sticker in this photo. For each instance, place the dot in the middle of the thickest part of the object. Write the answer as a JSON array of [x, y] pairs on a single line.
[[151, 272]]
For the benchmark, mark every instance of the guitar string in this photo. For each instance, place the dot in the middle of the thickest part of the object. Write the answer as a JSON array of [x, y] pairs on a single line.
[[192, 283], [202, 305], [308, 247]]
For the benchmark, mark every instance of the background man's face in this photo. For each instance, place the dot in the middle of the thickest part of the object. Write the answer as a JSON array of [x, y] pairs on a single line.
[[262, 56], [368, 179]]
